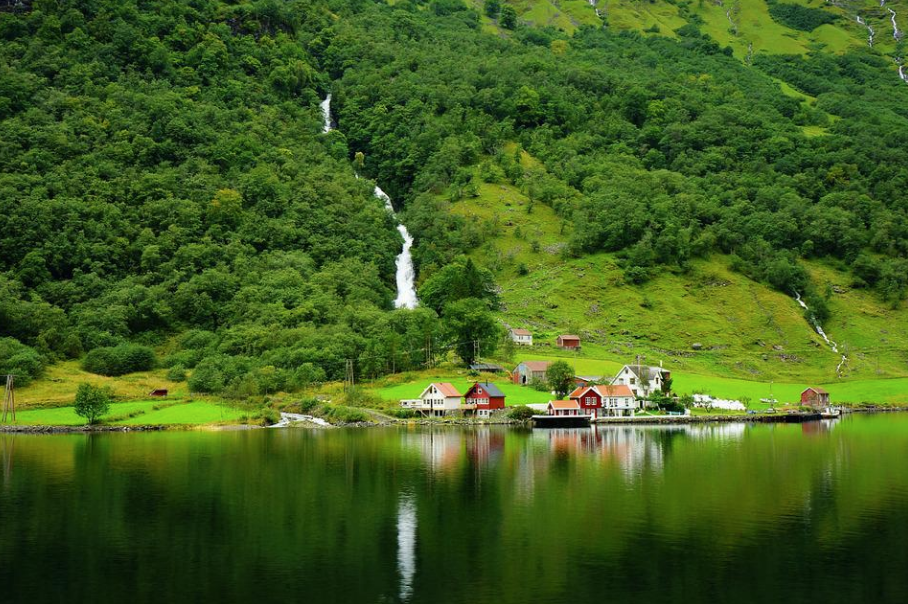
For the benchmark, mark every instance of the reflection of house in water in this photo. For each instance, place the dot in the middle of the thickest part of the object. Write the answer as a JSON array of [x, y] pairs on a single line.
[[485, 446], [819, 427], [406, 544], [441, 449], [719, 431], [632, 448]]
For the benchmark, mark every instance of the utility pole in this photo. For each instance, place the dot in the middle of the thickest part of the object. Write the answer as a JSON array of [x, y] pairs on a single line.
[[9, 398], [475, 351]]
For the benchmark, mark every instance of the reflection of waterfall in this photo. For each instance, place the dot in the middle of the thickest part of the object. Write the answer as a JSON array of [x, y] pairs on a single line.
[[819, 328], [406, 544], [405, 274]]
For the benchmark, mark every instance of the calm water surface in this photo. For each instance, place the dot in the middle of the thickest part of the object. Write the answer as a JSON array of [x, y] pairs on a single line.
[[732, 513]]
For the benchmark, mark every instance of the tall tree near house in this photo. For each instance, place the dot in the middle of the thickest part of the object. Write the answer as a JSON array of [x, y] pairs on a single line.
[[560, 378], [471, 329]]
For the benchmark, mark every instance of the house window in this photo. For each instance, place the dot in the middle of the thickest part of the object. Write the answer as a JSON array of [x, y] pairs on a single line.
[[633, 381]]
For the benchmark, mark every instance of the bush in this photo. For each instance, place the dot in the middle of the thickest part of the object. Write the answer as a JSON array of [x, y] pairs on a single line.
[[401, 413], [177, 373], [206, 377], [270, 416], [119, 360], [340, 414], [92, 402], [521, 413], [20, 360]]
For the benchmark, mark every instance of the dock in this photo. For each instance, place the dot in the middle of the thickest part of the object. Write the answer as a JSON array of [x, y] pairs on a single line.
[[561, 421]]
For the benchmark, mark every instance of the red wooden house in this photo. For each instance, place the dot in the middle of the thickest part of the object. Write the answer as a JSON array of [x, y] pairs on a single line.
[[484, 397], [815, 397], [589, 398], [569, 342]]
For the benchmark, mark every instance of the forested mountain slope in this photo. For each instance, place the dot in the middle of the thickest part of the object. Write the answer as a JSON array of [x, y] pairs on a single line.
[[164, 180]]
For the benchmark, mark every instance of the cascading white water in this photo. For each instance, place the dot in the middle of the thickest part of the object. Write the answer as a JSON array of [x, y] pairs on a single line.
[[819, 328], [326, 113], [870, 31], [405, 274], [896, 32]]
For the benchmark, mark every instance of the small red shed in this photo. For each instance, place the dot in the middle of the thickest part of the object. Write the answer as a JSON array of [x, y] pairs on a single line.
[[569, 342], [815, 397]]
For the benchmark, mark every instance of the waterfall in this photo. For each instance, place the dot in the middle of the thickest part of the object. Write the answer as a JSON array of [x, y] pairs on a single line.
[[869, 30], [895, 28], [406, 544], [326, 113], [406, 273], [819, 328]]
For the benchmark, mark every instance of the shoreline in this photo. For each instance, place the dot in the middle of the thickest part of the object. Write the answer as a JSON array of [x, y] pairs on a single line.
[[777, 418]]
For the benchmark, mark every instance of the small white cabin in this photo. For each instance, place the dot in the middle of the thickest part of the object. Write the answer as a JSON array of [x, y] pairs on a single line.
[[522, 337]]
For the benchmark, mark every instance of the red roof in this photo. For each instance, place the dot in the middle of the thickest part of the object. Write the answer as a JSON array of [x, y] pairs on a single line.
[[537, 365], [447, 389], [564, 404], [817, 390], [521, 332], [576, 393], [617, 390], [570, 338]]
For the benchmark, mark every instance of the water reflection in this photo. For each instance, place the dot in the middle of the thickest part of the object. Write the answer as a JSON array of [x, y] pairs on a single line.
[[406, 544], [479, 515]]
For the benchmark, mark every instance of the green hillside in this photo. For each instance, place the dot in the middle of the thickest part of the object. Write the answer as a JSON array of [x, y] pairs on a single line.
[[655, 177], [742, 328]]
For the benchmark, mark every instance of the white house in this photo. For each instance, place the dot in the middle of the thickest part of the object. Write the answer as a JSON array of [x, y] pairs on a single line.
[[522, 337], [642, 380], [438, 399], [618, 400]]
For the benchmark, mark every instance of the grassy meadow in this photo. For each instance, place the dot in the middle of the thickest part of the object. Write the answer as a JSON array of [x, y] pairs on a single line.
[[138, 413]]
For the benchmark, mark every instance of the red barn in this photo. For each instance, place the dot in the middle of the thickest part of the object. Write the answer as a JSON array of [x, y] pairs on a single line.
[[815, 397], [568, 342], [486, 397]]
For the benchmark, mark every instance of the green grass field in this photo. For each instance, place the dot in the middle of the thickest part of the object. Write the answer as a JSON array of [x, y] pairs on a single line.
[[191, 413]]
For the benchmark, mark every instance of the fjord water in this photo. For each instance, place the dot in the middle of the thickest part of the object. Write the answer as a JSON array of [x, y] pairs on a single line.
[[726, 513]]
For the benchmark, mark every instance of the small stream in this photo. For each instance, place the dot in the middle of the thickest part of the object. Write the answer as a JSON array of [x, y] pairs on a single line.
[[870, 31], [819, 329], [292, 418], [405, 272]]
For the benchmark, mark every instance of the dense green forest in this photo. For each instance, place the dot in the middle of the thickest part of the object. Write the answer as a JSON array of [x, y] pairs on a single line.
[[164, 181]]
